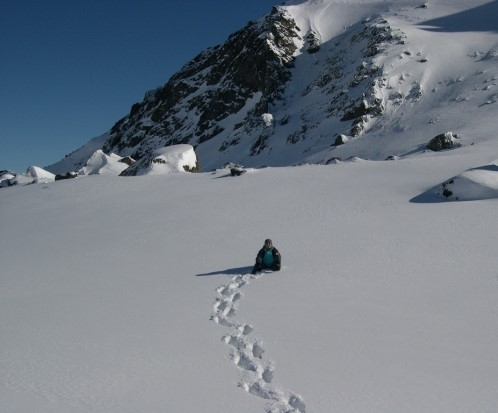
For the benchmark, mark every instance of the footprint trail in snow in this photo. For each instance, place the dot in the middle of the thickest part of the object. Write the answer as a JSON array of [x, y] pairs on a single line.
[[247, 351]]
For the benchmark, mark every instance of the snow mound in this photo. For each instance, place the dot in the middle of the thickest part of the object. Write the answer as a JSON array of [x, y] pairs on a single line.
[[102, 164], [474, 184], [174, 158]]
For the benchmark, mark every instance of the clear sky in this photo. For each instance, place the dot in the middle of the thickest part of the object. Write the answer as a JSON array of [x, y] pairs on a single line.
[[69, 69]]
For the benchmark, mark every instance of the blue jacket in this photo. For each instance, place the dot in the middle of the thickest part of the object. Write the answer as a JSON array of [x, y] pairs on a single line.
[[272, 261]]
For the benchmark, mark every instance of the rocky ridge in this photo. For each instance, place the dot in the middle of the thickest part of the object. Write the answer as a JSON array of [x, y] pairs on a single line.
[[244, 75]]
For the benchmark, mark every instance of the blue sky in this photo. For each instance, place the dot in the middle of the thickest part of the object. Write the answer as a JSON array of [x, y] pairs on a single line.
[[70, 69]]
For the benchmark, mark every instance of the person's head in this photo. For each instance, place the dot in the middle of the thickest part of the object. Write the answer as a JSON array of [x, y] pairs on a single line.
[[268, 243]]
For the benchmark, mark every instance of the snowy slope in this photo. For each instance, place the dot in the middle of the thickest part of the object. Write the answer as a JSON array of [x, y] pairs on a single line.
[[421, 84], [128, 295]]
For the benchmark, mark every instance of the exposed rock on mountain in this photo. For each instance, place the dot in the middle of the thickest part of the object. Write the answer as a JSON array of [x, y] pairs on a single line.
[[245, 74]]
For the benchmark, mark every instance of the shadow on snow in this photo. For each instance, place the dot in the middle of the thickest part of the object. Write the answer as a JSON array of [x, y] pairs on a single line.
[[229, 271], [479, 19], [428, 197]]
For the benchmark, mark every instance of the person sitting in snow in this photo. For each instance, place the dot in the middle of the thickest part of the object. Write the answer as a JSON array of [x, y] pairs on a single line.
[[268, 258]]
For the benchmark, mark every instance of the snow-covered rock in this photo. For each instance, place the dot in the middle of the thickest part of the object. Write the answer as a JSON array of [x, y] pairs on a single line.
[[102, 164], [175, 158], [267, 119], [473, 184], [443, 141], [33, 175], [235, 169], [69, 175], [6, 176]]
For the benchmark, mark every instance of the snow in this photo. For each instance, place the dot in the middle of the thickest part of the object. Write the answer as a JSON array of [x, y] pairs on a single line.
[[115, 302], [132, 294]]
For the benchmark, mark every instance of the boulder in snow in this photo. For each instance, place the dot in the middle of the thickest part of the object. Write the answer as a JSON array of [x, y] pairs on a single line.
[[441, 142], [340, 140], [128, 160], [5, 177], [235, 169], [174, 158], [69, 175]]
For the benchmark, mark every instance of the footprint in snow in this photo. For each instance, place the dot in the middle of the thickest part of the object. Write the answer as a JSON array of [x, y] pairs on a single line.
[[247, 351]]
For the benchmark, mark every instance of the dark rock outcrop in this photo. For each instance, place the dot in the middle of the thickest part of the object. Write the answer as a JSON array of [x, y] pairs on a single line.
[[69, 175], [216, 84]]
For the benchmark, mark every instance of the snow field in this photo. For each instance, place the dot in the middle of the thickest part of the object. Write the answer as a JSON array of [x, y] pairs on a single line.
[[131, 295], [108, 285]]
